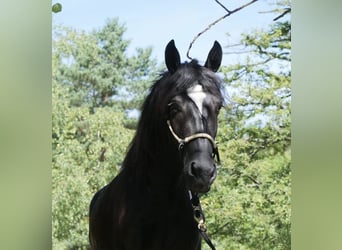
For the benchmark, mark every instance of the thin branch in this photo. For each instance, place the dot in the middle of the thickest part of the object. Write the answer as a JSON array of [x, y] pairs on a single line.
[[229, 12], [234, 45], [220, 228], [257, 183], [267, 11], [224, 7], [238, 52], [287, 10]]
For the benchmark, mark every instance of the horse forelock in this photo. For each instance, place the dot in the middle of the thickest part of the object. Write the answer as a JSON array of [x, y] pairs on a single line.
[[187, 76]]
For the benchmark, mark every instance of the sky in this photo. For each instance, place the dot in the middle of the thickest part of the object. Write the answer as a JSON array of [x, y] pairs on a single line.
[[155, 22]]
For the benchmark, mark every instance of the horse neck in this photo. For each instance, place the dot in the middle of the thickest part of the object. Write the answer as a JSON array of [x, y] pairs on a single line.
[[155, 160]]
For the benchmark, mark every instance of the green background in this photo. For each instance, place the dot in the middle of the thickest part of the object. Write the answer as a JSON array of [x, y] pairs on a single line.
[[25, 127], [316, 125]]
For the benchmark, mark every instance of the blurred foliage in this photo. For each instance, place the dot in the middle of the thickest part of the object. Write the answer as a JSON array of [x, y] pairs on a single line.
[[95, 85], [87, 152]]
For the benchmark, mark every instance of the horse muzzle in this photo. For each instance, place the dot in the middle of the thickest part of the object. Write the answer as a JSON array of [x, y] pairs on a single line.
[[199, 159], [200, 172]]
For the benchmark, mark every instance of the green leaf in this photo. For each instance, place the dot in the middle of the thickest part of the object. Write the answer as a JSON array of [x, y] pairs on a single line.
[[57, 7]]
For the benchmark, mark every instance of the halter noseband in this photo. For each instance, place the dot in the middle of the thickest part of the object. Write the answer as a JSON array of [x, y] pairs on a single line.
[[187, 139]]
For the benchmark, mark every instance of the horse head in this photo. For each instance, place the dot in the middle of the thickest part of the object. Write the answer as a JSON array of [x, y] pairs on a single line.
[[192, 111]]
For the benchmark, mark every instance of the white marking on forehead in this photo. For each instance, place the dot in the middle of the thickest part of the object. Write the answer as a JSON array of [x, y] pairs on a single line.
[[197, 95]]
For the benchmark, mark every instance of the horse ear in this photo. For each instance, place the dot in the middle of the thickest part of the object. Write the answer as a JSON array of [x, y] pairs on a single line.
[[172, 58], [214, 57]]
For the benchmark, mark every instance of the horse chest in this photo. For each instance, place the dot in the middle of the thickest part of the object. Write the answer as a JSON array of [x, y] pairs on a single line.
[[163, 226]]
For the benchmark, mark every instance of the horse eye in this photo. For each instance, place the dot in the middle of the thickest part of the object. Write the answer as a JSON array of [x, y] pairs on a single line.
[[173, 109]]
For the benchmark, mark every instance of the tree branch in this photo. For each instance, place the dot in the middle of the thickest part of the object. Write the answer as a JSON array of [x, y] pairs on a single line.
[[229, 12], [224, 7], [287, 10]]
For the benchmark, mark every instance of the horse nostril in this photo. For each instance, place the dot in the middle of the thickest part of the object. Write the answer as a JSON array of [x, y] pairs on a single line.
[[194, 169]]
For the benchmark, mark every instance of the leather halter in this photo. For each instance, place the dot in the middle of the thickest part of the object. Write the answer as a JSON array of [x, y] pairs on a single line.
[[187, 139]]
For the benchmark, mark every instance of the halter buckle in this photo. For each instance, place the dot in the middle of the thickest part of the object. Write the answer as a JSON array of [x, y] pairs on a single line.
[[200, 219], [181, 145]]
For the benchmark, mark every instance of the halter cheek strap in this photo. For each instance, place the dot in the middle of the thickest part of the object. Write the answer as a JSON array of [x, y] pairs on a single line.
[[187, 139]]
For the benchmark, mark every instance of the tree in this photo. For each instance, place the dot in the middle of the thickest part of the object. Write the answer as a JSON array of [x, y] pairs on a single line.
[[87, 152], [97, 69], [249, 206]]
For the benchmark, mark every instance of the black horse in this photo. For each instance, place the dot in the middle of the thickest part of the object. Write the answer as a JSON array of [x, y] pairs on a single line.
[[147, 206]]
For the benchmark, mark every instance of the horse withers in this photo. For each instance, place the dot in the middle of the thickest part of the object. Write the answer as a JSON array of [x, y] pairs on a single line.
[[171, 158]]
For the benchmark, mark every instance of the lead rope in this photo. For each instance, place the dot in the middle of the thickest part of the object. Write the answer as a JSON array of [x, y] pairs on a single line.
[[200, 219]]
